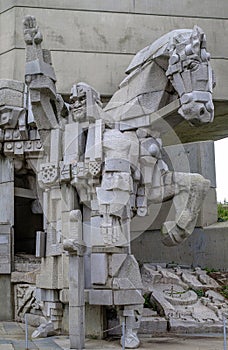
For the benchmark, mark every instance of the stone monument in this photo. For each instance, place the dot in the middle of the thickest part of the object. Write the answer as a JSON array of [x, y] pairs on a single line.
[[97, 168]]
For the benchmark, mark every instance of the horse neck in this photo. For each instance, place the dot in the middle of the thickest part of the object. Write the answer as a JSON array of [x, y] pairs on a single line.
[[142, 92], [151, 86]]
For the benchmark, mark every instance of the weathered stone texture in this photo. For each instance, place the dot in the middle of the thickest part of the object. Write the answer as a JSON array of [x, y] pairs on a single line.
[[103, 41]]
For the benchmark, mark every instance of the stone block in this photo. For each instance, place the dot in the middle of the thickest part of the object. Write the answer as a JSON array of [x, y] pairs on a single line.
[[130, 270], [68, 195], [49, 306], [100, 297], [87, 266], [56, 312], [50, 295], [5, 249], [63, 272], [6, 299], [99, 268], [5, 266], [12, 85], [208, 214], [117, 165], [128, 297], [7, 202], [4, 239], [5, 263], [153, 325], [40, 244], [4, 252], [71, 143], [111, 249], [56, 317], [24, 277], [48, 277], [92, 233], [55, 149], [76, 281], [122, 283], [115, 262], [5, 229], [76, 327], [64, 296], [193, 327], [54, 250], [95, 321], [11, 98]]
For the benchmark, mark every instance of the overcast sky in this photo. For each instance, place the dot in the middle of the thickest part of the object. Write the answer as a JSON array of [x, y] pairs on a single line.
[[221, 156]]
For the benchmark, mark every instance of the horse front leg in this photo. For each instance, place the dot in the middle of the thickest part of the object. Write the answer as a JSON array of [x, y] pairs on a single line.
[[188, 192]]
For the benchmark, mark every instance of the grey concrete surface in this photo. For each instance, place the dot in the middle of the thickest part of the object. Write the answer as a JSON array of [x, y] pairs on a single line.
[[84, 48], [165, 7], [86, 34], [12, 337], [206, 247]]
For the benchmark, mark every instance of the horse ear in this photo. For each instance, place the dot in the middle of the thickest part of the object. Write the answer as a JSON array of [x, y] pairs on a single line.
[[197, 32], [197, 38]]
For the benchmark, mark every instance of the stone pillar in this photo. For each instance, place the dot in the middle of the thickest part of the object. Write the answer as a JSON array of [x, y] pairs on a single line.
[[76, 293], [6, 235], [76, 301]]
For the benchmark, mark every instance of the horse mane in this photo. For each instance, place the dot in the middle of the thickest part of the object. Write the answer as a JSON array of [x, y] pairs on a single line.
[[160, 47], [147, 61]]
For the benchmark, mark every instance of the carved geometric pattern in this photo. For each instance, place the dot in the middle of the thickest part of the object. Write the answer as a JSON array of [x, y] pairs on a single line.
[[49, 173], [94, 168]]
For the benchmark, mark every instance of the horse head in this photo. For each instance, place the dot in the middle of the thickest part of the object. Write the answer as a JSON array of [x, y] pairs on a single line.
[[191, 75]]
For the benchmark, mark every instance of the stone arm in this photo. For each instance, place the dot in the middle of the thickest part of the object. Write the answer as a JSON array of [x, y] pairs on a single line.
[[40, 79]]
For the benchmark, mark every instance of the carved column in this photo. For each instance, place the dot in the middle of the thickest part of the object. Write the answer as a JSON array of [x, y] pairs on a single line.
[[76, 250], [76, 301]]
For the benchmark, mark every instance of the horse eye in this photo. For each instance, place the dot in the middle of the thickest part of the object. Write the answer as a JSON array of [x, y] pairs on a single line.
[[193, 65]]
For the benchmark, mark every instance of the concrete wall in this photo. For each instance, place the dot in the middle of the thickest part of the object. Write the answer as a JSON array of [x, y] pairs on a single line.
[[94, 40], [206, 248]]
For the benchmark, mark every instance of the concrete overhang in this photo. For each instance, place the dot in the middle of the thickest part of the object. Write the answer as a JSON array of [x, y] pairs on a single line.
[[183, 132]]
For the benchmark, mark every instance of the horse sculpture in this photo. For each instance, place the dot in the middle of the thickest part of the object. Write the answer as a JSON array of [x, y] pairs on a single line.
[[102, 167]]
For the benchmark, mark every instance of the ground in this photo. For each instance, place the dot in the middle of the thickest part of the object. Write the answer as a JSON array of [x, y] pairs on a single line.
[[12, 337]]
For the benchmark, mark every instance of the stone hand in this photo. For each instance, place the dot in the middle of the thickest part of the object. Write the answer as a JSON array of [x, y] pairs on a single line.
[[32, 35]]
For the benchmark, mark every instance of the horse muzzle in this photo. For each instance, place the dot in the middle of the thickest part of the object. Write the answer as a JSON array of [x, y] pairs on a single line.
[[197, 107]]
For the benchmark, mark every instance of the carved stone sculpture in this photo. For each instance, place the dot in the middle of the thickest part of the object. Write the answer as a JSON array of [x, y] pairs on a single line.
[[189, 299], [98, 167]]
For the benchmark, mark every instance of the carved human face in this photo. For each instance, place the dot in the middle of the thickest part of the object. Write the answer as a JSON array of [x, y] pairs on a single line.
[[78, 108]]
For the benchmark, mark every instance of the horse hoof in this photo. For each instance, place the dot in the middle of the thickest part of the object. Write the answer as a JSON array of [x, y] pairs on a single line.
[[172, 234]]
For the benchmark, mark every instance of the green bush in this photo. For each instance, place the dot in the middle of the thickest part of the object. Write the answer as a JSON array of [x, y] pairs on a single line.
[[222, 211]]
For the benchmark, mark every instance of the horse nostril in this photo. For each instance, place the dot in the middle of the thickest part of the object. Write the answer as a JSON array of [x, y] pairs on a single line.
[[201, 111]]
